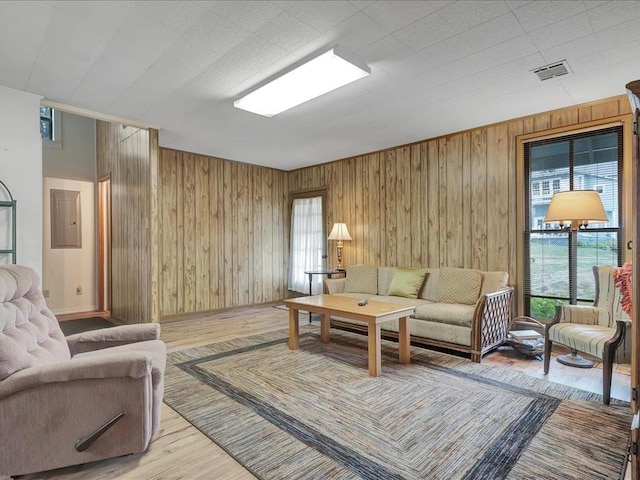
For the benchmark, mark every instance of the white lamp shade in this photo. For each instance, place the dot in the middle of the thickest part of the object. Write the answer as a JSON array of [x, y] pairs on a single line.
[[339, 232], [576, 205]]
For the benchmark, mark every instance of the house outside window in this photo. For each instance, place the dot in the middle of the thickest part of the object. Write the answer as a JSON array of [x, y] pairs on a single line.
[[46, 123], [585, 161]]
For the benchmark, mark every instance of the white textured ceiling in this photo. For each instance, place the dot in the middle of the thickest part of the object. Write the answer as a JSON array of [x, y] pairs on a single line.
[[437, 67]]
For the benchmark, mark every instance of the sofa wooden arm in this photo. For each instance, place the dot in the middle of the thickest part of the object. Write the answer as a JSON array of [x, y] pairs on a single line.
[[112, 337], [490, 322]]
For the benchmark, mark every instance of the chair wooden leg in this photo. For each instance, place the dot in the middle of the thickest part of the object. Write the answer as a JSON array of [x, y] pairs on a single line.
[[607, 371], [610, 347], [547, 355]]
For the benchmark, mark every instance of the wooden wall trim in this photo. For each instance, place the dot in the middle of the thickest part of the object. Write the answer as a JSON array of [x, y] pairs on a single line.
[[154, 253]]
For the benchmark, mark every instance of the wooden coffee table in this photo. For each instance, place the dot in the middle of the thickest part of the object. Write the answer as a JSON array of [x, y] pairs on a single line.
[[373, 314]]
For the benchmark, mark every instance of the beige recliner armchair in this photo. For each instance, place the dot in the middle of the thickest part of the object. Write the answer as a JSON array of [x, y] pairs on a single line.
[[66, 401], [597, 330]]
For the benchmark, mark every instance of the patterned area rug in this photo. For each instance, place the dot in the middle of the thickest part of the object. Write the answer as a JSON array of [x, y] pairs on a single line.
[[315, 413]]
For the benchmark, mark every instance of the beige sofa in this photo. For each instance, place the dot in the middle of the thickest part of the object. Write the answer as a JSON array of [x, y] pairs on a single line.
[[456, 308]]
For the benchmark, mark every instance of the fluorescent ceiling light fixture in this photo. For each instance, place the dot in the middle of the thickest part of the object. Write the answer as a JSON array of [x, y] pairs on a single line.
[[328, 71]]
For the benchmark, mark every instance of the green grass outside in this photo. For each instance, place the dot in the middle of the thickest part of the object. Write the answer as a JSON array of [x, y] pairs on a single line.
[[550, 272]]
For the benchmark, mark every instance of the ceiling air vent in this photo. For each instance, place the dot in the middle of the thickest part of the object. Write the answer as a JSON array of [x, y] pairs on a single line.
[[555, 69]]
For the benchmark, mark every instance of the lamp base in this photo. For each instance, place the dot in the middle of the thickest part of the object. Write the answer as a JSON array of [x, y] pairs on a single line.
[[574, 360], [339, 255]]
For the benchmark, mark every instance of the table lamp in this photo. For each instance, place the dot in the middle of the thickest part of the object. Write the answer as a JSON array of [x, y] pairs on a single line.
[[340, 233]]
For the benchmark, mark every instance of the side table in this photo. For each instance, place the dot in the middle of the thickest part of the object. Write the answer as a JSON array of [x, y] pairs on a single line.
[[328, 273]]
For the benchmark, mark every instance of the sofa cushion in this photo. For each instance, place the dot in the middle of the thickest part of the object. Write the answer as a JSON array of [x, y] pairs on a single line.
[[459, 285], [407, 282], [430, 288], [398, 300], [440, 332], [358, 295], [385, 275], [449, 313], [362, 279], [493, 281], [584, 338]]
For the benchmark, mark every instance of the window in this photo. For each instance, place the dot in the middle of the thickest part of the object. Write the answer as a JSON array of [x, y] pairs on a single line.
[[50, 127], [46, 123], [535, 188], [545, 188], [308, 242], [557, 263]]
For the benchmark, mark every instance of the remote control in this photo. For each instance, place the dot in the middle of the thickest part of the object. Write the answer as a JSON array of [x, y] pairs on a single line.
[[363, 302]]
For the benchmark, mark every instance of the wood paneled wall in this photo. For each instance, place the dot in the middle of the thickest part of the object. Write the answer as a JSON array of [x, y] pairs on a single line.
[[221, 238], [129, 157], [223, 233], [449, 201]]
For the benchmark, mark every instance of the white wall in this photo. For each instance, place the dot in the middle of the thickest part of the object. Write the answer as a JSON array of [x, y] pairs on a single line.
[[21, 171], [71, 165], [65, 269]]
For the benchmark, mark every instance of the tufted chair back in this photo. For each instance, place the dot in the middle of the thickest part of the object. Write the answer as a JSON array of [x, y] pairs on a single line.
[[29, 333], [608, 297]]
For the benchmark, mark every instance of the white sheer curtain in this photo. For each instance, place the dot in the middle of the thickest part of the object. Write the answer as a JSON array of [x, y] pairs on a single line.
[[306, 244]]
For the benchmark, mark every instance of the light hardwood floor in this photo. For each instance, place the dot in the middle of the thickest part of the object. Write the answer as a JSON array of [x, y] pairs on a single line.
[[180, 451]]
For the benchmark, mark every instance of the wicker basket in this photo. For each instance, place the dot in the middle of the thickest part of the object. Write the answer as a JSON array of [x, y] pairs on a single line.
[[519, 345]]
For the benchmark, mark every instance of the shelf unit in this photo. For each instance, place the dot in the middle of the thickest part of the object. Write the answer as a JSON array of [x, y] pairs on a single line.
[[11, 203]]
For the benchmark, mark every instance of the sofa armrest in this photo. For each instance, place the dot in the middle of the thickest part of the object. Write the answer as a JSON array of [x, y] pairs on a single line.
[[112, 337], [335, 285], [107, 365], [491, 321]]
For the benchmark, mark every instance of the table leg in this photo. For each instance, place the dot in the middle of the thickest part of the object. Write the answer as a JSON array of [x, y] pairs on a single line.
[[310, 290], [294, 329], [375, 362], [404, 340], [325, 324]]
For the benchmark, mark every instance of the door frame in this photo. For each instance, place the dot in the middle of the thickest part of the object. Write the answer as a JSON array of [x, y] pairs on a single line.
[[104, 243]]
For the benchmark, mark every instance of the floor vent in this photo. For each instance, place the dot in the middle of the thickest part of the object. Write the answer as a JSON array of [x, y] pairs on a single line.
[[552, 70]]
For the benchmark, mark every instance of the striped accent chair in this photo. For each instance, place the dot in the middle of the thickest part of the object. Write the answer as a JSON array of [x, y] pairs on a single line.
[[596, 331]]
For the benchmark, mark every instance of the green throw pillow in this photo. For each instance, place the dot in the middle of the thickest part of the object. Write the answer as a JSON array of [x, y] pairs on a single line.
[[407, 282]]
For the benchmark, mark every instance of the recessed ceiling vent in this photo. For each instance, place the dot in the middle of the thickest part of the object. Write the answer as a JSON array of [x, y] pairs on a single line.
[[552, 70]]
